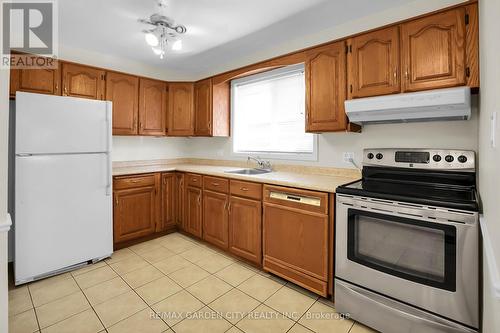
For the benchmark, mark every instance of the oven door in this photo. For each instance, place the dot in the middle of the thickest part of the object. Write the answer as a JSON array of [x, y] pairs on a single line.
[[419, 255]]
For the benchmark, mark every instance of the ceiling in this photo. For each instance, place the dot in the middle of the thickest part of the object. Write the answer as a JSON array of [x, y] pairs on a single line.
[[219, 32]]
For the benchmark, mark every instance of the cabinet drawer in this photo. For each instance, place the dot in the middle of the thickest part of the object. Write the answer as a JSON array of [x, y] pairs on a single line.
[[193, 180], [246, 189], [216, 184], [125, 182], [310, 201]]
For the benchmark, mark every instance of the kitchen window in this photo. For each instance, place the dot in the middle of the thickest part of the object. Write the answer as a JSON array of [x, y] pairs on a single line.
[[268, 115]]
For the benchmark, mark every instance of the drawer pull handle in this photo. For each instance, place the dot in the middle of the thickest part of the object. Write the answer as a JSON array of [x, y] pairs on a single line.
[[215, 184], [135, 180], [243, 189], [194, 180]]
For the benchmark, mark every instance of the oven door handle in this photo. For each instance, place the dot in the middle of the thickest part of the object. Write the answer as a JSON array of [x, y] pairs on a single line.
[[357, 292]]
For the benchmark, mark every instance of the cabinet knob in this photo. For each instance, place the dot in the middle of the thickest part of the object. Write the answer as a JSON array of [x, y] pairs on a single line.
[[65, 90]]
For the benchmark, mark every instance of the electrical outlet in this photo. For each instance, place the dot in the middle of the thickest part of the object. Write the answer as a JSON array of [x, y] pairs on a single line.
[[348, 157]]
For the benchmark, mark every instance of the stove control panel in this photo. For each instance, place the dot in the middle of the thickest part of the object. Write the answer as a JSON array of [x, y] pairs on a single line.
[[435, 159]]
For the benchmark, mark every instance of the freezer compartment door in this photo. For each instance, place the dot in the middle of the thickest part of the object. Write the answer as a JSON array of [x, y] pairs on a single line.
[[63, 212], [55, 124]]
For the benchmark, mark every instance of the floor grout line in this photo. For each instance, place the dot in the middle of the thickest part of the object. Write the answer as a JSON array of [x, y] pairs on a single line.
[[34, 309], [147, 304]]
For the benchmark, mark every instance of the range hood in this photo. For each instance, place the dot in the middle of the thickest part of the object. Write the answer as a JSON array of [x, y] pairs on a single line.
[[432, 105]]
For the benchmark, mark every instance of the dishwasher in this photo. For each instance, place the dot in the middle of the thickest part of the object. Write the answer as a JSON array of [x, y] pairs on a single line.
[[295, 236]]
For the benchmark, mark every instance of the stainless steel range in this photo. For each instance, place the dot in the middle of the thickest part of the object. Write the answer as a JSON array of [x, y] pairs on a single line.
[[407, 242]]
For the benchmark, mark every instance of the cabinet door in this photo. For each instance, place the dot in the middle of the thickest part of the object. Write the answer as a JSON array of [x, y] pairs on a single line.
[[373, 63], [179, 202], [180, 109], [82, 81], [134, 213], [123, 91], [40, 81], [152, 107], [326, 89], [433, 51], [203, 108], [193, 211], [245, 228], [215, 218], [167, 201]]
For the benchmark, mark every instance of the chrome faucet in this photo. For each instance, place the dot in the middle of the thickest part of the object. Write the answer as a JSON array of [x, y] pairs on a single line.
[[264, 165]]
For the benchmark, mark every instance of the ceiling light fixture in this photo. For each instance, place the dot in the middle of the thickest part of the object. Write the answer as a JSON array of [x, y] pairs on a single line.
[[165, 32]]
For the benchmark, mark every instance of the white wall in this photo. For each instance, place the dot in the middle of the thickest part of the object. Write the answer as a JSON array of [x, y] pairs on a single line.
[[133, 148], [489, 157], [451, 134], [121, 64]]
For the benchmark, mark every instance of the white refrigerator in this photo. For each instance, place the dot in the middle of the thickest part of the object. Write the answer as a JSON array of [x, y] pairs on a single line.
[[63, 180]]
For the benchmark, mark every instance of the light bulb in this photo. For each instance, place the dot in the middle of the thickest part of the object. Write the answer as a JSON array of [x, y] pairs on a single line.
[[151, 39], [177, 45]]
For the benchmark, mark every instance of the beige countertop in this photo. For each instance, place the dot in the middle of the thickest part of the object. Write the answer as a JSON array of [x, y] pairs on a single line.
[[310, 181]]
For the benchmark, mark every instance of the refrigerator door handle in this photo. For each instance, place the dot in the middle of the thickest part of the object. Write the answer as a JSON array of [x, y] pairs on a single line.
[[109, 108], [109, 175]]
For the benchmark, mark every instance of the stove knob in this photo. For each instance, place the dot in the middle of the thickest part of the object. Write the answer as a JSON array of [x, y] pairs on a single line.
[[379, 156], [462, 159], [370, 156], [436, 158], [449, 158]]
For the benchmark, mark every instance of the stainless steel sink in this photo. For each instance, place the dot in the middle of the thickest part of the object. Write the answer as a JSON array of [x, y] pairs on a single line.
[[249, 171]]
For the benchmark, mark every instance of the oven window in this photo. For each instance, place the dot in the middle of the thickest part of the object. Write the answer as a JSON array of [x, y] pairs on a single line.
[[411, 249]]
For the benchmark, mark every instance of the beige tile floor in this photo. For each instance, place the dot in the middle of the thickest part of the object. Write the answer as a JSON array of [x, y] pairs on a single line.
[[171, 284]]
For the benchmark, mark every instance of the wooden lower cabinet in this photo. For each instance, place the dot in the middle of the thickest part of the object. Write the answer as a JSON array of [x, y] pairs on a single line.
[[180, 198], [295, 238], [168, 195], [245, 228], [135, 207], [215, 218], [193, 211]]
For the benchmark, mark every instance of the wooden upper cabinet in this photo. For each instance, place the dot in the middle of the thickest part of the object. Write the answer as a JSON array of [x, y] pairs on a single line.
[[152, 107], [433, 51], [83, 81], [326, 88], [211, 105], [203, 107], [180, 109], [123, 91], [41, 81], [373, 63]]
